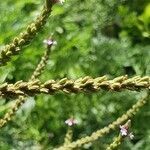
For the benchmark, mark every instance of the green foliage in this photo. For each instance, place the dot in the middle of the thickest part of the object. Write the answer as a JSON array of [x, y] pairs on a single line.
[[94, 37]]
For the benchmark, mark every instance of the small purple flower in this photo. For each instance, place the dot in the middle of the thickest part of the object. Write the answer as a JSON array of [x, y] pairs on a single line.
[[124, 130], [49, 42], [70, 122]]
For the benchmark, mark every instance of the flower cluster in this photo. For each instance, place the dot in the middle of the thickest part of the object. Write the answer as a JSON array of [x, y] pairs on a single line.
[[124, 130]]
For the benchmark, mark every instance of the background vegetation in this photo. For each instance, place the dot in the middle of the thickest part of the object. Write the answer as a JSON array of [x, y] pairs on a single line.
[[95, 37]]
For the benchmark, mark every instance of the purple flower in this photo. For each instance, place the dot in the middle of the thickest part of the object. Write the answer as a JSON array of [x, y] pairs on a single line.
[[70, 122], [124, 130], [49, 42]]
